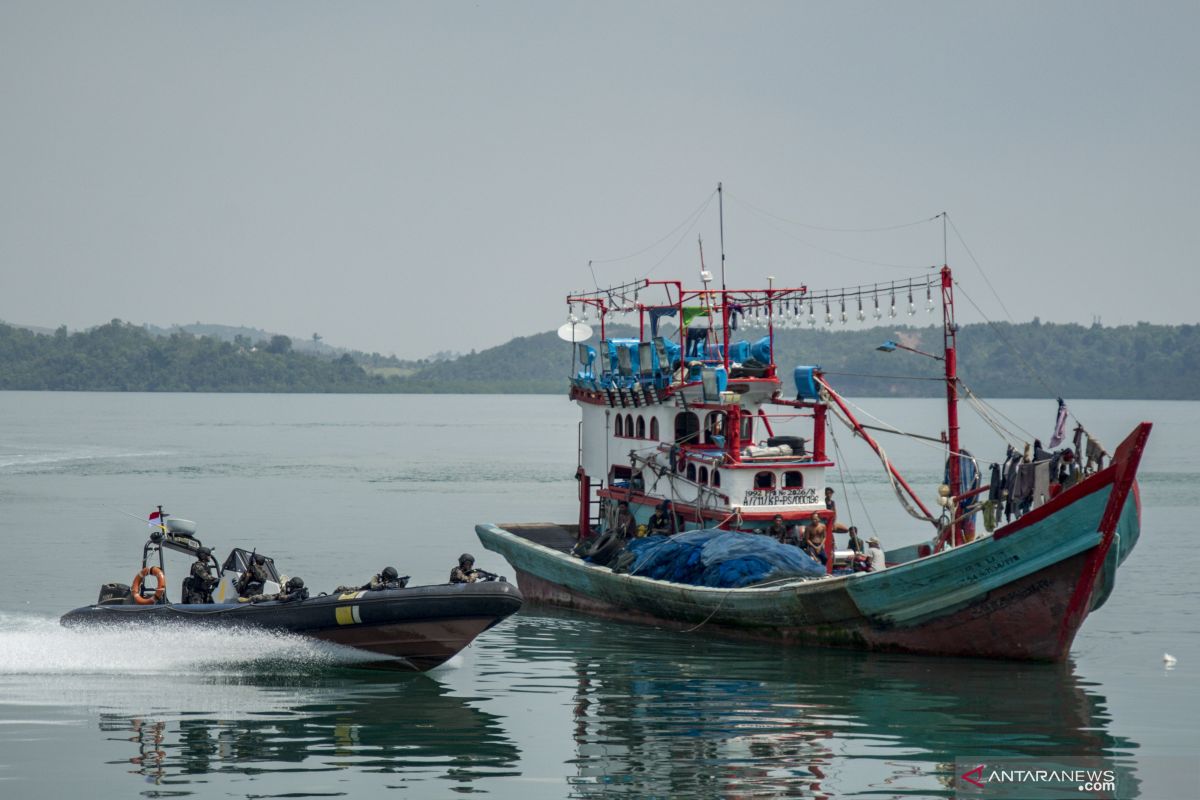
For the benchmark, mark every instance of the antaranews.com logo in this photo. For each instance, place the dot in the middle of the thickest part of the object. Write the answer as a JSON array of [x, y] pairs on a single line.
[[1027, 778]]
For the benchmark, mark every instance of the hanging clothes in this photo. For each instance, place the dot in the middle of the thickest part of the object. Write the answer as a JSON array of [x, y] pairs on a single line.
[[1095, 455], [656, 314], [1010, 481], [1022, 492], [989, 515], [1060, 425], [1041, 482], [996, 484]]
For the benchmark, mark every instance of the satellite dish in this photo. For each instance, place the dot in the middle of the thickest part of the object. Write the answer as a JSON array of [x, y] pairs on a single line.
[[575, 332]]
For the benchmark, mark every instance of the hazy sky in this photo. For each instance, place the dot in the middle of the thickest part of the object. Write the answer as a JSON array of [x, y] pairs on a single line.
[[412, 177]]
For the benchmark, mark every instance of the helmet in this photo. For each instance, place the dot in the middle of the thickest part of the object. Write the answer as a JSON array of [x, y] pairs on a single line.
[[295, 583], [203, 553], [390, 574], [466, 558]]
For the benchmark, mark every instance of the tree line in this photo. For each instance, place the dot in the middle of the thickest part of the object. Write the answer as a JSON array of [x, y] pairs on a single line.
[[1032, 359]]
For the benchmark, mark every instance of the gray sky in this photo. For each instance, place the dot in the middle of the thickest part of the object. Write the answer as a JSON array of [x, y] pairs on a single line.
[[412, 177]]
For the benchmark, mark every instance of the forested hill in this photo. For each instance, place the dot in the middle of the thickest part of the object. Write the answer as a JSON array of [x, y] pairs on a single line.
[[1004, 360]]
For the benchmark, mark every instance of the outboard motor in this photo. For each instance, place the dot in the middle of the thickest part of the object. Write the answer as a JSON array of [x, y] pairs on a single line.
[[114, 594]]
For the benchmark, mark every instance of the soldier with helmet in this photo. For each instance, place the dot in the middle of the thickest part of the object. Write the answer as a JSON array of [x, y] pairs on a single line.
[[465, 572], [388, 578], [198, 586]]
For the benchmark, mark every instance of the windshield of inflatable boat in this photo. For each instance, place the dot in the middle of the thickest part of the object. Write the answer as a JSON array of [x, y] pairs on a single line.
[[239, 559]]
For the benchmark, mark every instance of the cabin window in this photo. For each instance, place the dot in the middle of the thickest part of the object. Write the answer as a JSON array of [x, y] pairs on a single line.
[[687, 425], [716, 477], [764, 480], [654, 428], [641, 427], [619, 426], [747, 431], [793, 479], [703, 477], [691, 472], [629, 425]]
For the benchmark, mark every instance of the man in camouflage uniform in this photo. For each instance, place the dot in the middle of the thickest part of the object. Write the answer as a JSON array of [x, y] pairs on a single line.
[[388, 578], [251, 581], [292, 590], [465, 572], [200, 583]]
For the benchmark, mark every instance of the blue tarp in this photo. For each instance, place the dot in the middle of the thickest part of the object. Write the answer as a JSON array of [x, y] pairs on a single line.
[[720, 558]]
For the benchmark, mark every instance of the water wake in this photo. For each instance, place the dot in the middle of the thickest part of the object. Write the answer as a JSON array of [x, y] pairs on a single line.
[[35, 645]]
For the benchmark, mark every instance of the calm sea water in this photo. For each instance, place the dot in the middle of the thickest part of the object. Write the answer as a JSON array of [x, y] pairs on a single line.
[[546, 705]]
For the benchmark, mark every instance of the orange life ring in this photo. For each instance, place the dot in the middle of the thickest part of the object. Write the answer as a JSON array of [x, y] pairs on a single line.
[[136, 589]]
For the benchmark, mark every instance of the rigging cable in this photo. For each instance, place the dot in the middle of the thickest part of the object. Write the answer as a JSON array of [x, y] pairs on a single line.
[[837, 230], [689, 218], [870, 522], [887, 470]]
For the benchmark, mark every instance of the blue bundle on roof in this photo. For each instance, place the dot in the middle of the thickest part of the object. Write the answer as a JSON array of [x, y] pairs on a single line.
[[720, 559]]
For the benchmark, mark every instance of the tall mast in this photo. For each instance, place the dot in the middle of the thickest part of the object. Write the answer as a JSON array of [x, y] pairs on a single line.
[[724, 297], [949, 331], [721, 220]]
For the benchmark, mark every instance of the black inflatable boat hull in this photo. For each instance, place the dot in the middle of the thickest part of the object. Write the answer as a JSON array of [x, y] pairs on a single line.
[[417, 628]]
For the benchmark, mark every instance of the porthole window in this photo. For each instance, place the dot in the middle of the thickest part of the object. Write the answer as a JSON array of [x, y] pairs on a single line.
[[619, 426], [793, 479], [654, 428], [703, 476], [764, 480], [641, 427], [691, 472]]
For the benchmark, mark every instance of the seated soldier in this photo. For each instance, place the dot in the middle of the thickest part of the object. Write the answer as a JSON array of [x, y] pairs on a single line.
[[199, 585], [251, 581], [292, 590]]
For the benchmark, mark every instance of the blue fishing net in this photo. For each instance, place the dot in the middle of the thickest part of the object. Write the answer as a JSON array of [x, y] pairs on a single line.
[[720, 559]]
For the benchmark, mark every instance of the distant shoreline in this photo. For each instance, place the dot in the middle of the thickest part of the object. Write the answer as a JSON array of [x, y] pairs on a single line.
[[1029, 360]]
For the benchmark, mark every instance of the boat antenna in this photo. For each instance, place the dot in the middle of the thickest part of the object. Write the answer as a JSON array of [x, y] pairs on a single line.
[[721, 219]]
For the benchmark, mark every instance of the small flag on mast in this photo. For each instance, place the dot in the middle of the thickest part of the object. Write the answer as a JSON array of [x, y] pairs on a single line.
[[156, 519]]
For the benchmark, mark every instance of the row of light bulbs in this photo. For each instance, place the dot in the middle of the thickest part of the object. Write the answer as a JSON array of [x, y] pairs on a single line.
[[799, 314], [787, 314]]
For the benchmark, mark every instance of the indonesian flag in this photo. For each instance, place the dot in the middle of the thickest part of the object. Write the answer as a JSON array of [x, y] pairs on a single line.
[[156, 519]]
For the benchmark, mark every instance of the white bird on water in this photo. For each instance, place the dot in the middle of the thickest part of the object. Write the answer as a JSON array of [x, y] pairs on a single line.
[[1169, 660]]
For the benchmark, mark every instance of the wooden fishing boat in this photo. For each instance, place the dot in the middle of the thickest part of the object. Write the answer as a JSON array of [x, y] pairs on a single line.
[[689, 421]]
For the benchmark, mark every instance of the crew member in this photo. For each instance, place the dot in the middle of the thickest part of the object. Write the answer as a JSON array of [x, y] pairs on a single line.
[[292, 590], [660, 521], [198, 586], [251, 581], [782, 532], [814, 538], [626, 526], [388, 578], [878, 561], [465, 572]]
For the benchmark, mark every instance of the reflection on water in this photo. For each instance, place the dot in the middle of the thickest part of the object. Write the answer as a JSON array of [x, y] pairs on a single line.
[[633, 711], [659, 713], [336, 721]]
